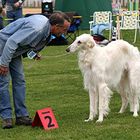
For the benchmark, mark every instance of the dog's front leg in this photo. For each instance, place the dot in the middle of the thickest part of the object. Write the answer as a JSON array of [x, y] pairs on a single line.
[[92, 113], [101, 110], [104, 98]]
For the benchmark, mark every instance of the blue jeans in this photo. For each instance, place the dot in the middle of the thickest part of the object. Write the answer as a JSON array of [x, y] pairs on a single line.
[[99, 28], [18, 89], [14, 15]]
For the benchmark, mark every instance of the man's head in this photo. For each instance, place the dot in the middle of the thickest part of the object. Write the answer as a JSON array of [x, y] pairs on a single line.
[[60, 23]]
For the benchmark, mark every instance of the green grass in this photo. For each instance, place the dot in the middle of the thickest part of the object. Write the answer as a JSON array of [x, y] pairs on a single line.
[[56, 82]]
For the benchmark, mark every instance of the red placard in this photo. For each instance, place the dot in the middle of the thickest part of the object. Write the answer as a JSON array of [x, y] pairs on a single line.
[[45, 118]]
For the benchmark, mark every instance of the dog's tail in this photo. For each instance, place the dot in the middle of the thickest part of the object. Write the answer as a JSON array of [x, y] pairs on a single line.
[[132, 50], [127, 48], [135, 52]]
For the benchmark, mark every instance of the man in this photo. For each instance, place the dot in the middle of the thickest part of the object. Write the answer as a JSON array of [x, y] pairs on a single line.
[[13, 9], [23, 37]]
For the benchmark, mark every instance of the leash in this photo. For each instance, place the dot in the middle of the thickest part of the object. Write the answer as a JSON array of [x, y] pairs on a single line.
[[55, 55], [51, 56]]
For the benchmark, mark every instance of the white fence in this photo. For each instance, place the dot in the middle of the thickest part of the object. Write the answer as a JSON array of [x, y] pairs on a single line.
[[34, 3], [37, 3], [124, 3]]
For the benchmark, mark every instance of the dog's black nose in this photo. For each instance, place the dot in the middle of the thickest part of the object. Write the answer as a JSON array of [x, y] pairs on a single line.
[[67, 50]]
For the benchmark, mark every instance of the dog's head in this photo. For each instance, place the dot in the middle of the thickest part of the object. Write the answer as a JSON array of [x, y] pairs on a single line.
[[83, 42]]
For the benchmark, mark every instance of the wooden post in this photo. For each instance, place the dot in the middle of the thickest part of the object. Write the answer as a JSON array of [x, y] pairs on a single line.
[[118, 26]]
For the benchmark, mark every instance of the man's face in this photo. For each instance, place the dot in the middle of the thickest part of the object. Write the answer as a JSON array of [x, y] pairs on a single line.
[[58, 30]]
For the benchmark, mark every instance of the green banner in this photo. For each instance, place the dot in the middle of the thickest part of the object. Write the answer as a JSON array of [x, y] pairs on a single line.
[[84, 8]]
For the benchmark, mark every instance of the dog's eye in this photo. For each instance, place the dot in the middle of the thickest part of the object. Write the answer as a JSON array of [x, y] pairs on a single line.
[[79, 42]]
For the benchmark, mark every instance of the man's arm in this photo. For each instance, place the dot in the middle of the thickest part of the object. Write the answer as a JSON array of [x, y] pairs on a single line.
[[18, 3], [21, 1], [22, 37]]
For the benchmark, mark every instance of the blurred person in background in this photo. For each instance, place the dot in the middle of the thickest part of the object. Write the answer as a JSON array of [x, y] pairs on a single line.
[[2, 14], [13, 9]]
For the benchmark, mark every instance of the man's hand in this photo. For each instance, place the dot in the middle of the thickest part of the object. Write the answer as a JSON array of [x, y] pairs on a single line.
[[3, 70], [17, 4], [37, 57]]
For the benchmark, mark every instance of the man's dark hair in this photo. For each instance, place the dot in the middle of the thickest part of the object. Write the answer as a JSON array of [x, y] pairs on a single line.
[[58, 18]]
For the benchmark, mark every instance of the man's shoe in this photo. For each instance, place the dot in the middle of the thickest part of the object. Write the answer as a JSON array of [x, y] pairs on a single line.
[[23, 120], [7, 123]]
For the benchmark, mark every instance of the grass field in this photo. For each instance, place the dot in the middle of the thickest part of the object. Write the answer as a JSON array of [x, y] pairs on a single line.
[[56, 82]]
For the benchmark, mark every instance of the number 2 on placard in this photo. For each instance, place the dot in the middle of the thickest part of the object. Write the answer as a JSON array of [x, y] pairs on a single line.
[[50, 124]]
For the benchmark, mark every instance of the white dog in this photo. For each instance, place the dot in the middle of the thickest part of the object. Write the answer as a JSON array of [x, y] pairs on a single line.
[[103, 69]]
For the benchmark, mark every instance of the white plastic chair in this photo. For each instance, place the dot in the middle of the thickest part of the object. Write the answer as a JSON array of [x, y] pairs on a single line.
[[130, 21], [101, 18]]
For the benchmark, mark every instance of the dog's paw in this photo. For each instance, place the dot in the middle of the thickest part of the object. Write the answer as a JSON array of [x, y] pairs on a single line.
[[135, 115], [88, 120], [99, 121], [120, 112]]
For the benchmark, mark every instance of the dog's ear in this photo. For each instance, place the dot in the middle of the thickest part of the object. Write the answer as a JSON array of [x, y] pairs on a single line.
[[90, 44]]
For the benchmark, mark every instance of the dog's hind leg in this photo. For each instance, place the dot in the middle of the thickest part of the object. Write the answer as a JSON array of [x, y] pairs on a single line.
[[92, 106], [124, 99], [134, 101], [124, 103], [124, 89], [131, 102], [136, 105]]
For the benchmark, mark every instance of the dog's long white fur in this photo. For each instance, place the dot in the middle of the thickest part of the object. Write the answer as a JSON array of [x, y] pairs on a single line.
[[104, 69]]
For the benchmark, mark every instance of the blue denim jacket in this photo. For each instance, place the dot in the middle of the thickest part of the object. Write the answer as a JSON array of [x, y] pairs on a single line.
[[22, 35]]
